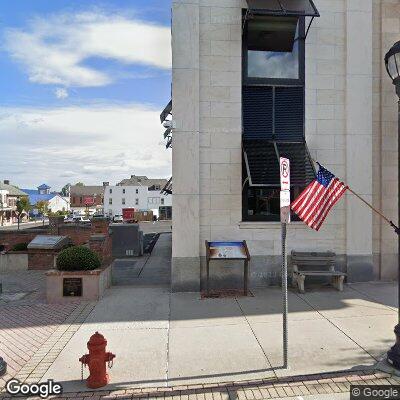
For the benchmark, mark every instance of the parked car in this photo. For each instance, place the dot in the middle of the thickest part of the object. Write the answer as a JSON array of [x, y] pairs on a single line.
[[81, 220], [98, 216], [68, 219], [118, 218]]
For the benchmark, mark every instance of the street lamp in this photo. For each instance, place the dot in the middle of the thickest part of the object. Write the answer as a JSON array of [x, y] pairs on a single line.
[[392, 63]]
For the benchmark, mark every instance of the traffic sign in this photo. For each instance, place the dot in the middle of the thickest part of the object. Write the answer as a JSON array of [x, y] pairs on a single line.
[[284, 167]]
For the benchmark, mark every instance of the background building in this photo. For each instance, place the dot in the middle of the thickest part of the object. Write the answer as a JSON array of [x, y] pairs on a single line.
[[9, 195], [243, 91], [55, 202], [87, 198], [140, 198]]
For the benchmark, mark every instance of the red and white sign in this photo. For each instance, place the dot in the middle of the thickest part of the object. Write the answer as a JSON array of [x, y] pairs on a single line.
[[284, 167], [88, 201]]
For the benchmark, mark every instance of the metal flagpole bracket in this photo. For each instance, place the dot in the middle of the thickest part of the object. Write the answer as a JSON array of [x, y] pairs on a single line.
[[284, 166]]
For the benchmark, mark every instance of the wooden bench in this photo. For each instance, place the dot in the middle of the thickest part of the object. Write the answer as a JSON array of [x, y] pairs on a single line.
[[315, 264]]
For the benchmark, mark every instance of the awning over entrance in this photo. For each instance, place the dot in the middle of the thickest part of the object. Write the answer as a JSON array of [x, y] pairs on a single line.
[[262, 162], [284, 8]]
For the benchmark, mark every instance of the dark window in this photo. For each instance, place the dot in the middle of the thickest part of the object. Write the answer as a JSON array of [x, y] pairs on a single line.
[[123, 201], [273, 113], [123, 191]]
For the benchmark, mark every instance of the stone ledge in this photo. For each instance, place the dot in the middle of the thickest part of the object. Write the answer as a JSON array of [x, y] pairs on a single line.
[[268, 224], [56, 272]]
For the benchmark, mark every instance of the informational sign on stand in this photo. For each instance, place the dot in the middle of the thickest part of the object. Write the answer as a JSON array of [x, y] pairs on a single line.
[[284, 165]]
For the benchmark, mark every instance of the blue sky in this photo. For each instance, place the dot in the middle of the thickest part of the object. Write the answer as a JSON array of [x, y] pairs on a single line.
[[81, 86]]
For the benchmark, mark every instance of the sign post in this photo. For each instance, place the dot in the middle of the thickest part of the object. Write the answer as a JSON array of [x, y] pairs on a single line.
[[284, 165]]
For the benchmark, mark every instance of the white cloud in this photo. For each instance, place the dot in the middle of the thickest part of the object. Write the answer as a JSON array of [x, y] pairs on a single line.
[[61, 93], [88, 143], [54, 50]]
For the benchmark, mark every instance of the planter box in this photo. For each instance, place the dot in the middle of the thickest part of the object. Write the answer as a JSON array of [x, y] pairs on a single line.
[[14, 261], [70, 286]]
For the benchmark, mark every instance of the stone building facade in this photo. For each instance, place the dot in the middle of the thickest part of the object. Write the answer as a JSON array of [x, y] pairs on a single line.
[[350, 126]]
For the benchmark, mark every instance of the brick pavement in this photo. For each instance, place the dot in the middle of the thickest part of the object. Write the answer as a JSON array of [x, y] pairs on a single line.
[[30, 328], [331, 383]]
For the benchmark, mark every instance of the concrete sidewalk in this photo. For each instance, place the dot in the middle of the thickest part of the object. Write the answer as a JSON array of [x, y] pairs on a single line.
[[164, 339]]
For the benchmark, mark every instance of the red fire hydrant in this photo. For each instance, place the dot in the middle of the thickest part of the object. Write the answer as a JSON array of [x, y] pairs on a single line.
[[96, 360]]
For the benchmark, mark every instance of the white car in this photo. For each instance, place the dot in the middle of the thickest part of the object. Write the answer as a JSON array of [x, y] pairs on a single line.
[[118, 218]]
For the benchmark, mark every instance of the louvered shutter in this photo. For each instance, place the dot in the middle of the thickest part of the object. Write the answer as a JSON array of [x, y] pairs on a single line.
[[261, 163], [301, 167], [289, 113], [257, 112]]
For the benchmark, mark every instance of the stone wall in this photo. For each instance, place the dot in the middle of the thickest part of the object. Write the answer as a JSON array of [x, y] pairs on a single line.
[[385, 166], [207, 62]]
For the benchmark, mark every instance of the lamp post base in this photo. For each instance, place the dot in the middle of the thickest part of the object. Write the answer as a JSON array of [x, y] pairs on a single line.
[[393, 355], [3, 367]]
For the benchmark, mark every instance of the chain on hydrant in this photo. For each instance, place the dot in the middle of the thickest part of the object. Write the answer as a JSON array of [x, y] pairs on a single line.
[[97, 361]]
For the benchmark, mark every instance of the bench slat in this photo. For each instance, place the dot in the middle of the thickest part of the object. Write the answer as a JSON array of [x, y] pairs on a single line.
[[327, 273]]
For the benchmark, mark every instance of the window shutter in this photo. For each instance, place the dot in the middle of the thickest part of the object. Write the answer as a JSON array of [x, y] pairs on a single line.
[[261, 163], [257, 112], [301, 167], [289, 113]]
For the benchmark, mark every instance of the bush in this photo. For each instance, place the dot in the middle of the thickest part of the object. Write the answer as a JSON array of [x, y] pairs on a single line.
[[78, 258], [20, 247]]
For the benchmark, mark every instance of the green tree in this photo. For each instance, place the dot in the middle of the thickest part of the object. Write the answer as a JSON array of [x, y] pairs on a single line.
[[65, 190], [43, 208], [22, 206], [79, 184]]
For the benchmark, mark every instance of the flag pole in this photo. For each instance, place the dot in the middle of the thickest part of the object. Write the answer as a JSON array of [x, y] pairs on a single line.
[[391, 223]]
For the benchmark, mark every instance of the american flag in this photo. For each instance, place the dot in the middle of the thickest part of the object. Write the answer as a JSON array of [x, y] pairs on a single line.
[[317, 199]]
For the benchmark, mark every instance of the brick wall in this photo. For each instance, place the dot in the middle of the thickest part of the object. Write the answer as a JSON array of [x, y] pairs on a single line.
[[100, 226], [101, 244], [10, 238], [77, 233], [40, 259]]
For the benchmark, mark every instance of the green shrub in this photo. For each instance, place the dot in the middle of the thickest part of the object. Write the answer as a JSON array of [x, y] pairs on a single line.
[[20, 247], [78, 258]]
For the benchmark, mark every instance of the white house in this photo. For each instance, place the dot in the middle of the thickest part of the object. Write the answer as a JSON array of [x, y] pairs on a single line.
[[116, 198], [55, 202]]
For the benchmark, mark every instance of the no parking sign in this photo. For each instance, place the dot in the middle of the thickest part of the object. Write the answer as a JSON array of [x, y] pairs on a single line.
[[284, 167]]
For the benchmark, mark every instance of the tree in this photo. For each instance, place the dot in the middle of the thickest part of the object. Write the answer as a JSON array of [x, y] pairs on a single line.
[[43, 208], [65, 190], [22, 206], [79, 184]]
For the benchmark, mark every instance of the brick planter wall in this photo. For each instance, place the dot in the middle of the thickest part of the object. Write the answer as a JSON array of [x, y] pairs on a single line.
[[42, 259]]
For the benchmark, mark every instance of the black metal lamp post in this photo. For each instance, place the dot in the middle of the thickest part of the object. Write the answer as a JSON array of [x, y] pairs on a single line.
[[392, 63]]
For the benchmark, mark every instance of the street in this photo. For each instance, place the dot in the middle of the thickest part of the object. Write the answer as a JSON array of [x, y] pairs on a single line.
[[25, 225]]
